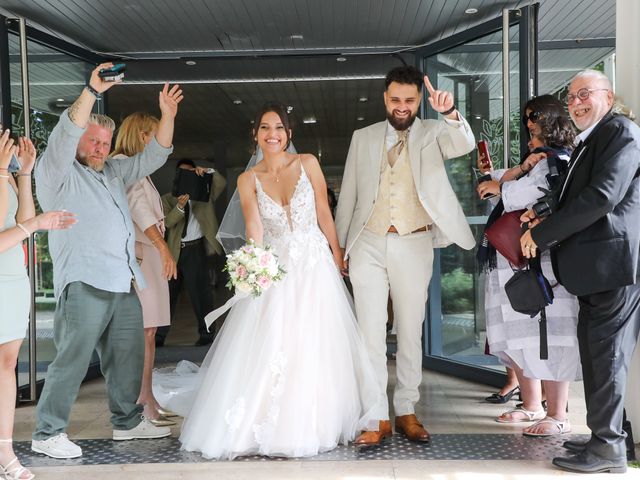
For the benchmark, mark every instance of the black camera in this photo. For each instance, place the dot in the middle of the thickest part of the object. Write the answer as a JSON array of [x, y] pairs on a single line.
[[545, 206]]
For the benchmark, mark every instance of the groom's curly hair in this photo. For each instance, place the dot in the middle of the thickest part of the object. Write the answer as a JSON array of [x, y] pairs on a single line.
[[407, 75]]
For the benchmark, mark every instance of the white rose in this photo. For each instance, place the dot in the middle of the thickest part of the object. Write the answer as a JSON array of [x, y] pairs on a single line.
[[244, 287]]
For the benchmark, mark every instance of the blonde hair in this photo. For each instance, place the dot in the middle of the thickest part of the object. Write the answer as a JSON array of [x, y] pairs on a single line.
[[128, 141], [102, 121], [621, 109]]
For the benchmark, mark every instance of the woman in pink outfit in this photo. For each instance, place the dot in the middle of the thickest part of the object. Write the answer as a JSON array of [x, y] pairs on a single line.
[[152, 253]]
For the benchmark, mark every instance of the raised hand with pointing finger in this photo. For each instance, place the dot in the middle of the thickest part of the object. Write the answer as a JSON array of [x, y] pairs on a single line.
[[441, 101]]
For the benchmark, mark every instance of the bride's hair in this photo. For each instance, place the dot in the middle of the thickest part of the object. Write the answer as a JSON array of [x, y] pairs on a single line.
[[280, 110]]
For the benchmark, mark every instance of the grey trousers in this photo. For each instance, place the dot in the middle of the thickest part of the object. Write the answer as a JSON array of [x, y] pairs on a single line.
[[87, 318]]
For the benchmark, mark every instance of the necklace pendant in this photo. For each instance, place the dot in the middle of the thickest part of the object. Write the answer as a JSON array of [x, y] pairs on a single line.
[[277, 179]]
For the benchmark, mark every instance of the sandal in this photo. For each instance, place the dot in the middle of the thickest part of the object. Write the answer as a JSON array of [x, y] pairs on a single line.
[[497, 398], [529, 415], [13, 470], [561, 427]]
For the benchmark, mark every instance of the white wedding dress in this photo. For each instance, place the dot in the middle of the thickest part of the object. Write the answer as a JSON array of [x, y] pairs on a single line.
[[288, 374]]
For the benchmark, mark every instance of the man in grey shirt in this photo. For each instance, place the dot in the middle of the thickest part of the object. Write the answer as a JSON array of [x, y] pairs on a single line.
[[95, 266]]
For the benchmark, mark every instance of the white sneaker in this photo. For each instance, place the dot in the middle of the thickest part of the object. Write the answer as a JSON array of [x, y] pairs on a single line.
[[58, 446], [145, 429]]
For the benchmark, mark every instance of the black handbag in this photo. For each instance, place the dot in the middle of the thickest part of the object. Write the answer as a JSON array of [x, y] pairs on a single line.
[[529, 292]]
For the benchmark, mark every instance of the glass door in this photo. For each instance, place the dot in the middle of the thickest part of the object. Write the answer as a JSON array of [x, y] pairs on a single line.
[[54, 79], [472, 66]]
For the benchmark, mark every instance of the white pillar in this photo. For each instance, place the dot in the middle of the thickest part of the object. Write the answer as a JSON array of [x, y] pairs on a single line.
[[628, 89]]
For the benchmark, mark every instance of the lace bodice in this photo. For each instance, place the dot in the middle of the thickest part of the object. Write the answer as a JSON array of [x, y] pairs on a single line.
[[286, 226]]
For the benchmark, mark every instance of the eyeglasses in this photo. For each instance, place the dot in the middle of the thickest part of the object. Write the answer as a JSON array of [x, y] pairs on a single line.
[[582, 94], [533, 116]]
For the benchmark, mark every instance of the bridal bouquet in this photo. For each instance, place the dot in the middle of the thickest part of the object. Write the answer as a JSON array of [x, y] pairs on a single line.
[[253, 269]]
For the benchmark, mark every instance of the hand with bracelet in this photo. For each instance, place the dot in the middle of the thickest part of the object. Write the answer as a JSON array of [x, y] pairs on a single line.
[[441, 101]]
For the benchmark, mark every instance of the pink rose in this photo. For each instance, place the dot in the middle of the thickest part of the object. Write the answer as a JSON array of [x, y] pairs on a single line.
[[264, 282], [241, 272], [264, 259]]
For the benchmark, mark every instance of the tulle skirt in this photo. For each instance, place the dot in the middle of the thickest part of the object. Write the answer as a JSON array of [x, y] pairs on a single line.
[[288, 374]]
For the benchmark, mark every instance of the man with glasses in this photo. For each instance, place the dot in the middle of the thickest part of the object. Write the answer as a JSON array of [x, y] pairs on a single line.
[[593, 232]]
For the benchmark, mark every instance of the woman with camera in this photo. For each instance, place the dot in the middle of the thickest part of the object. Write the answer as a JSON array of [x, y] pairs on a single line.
[[514, 337], [19, 221]]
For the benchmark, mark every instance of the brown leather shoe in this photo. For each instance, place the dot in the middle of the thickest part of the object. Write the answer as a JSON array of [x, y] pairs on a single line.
[[368, 439], [412, 428]]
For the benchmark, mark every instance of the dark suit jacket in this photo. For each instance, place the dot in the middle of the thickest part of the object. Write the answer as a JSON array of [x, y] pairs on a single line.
[[594, 234]]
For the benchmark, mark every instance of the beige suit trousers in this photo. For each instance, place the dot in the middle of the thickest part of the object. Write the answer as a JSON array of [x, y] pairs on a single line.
[[401, 266]]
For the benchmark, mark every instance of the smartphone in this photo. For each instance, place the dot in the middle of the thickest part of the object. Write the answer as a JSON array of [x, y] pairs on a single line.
[[14, 164], [113, 73], [483, 150]]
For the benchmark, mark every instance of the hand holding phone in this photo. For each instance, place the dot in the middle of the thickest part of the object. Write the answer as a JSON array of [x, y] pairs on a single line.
[[113, 73], [484, 159], [8, 152]]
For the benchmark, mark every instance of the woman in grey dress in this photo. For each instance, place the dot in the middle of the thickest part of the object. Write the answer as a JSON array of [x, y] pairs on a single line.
[[19, 221]]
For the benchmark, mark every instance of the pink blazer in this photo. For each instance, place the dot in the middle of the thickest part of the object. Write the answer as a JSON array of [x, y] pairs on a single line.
[[146, 208]]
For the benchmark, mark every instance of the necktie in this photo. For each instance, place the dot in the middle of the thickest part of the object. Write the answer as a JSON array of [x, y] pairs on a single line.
[[186, 219], [396, 150]]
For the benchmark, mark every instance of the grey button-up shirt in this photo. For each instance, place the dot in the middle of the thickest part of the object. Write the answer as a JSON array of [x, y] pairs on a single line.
[[100, 249]]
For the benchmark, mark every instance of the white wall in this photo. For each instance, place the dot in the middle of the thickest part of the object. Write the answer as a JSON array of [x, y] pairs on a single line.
[[628, 89]]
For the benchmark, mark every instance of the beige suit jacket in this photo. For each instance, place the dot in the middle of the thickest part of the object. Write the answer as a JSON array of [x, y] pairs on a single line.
[[431, 142]]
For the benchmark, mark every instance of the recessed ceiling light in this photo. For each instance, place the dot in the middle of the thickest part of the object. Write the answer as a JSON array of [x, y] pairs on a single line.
[[190, 62], [471, 11], [478, 117], [360, 119], [309, 120], [237, 101], [59, 99], [363, 99], [341, 59]]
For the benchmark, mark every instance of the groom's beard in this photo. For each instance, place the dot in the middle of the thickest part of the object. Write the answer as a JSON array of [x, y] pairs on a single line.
[[400, 123]]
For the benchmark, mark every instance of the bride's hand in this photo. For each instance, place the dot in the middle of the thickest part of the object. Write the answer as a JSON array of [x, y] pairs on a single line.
[[337, 258]]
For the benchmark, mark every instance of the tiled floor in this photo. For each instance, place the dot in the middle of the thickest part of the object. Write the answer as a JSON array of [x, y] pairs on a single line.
[[467, 442]]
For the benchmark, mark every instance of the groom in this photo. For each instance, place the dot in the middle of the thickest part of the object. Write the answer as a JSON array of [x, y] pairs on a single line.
[[396, 204]]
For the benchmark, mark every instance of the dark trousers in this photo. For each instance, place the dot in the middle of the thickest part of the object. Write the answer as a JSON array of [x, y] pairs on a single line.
[[608, 328], [193, 272]]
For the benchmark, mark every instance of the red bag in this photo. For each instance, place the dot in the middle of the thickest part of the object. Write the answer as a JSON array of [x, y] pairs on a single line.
[[505, 235]]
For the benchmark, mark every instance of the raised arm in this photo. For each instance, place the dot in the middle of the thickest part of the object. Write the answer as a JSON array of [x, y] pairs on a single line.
[[56, 161], [456, 138], [27, 156], [7, 149], [250, 211], [168, 100], [81, 109], [156, 152]]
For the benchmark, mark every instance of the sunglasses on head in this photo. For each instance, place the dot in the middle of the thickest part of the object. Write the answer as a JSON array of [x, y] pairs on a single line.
[[533, 116]]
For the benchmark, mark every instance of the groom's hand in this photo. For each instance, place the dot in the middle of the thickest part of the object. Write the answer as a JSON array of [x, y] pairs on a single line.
[[440, 100]]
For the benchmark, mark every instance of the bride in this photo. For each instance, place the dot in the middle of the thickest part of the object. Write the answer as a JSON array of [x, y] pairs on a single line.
[[288, 374]]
